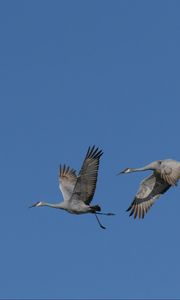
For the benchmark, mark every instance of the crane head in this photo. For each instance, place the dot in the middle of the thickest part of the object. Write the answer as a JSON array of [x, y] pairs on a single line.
[[39, 203], [126, 170]]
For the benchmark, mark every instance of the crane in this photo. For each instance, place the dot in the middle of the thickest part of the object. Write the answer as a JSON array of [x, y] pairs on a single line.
[[166, 174], [78, 191]]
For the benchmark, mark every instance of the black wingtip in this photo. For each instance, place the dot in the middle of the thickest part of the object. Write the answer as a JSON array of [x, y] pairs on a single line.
[[94, 152], [129, 208]]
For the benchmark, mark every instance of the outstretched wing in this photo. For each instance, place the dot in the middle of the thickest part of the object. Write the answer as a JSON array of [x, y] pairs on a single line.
[[170, 171], [67, 181], [86, 181], [151, 188]]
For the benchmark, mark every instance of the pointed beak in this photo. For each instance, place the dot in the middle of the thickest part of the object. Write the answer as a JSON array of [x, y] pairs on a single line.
[[126, 170], [33, 205], [122, 172]]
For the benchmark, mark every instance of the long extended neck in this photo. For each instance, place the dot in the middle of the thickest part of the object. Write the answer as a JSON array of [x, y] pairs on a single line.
[[139, 169], [52, 205], [147, 167]]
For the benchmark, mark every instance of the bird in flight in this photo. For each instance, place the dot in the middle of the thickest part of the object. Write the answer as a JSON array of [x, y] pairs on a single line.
[[78, 191], [166, 174]]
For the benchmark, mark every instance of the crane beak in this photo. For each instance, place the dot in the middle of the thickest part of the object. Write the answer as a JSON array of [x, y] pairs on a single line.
[[33, 205], [122, 172]]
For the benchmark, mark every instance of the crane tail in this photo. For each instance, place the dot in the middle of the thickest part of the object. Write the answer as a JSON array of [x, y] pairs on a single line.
[[95, 208]]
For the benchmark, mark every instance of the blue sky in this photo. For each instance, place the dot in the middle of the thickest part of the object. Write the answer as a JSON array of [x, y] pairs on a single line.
[[74, 74]]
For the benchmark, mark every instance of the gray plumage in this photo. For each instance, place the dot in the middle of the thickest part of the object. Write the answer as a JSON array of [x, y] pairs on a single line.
[[78, 191], [166, 173]]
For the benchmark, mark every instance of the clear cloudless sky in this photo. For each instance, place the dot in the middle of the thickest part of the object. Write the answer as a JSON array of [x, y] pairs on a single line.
[[74, 74]]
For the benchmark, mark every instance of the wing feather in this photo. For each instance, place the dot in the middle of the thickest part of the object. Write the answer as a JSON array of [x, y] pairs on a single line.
[[170, 171], [67, 181], [87, 178], [151, 188]]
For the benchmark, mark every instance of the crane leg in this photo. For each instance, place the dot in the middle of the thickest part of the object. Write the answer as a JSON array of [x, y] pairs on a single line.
[[103, 227], [106, 214]]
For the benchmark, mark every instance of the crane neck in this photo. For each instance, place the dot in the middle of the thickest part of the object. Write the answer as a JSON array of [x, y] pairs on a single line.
[[140, 169], [147, 167], [52, 205]]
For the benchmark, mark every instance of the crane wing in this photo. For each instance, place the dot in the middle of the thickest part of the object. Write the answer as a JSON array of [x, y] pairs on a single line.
[[86, 181], [67, 181], [170, 171], [151, 188]]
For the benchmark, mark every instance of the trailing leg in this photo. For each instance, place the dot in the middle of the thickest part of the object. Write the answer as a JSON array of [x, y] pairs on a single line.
[[103, 227]]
